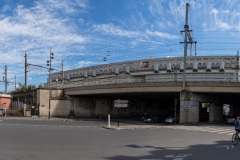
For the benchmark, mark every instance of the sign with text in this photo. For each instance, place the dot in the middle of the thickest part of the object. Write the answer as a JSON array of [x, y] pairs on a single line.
[[121, 103]]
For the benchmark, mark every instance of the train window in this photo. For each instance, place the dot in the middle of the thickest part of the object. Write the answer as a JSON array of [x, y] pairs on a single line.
[[144, 64]]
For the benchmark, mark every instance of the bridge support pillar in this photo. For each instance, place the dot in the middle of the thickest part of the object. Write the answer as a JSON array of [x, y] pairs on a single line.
[[189, 107], [215, 113]]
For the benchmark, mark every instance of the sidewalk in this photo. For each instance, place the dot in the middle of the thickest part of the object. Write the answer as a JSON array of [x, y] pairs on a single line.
[[123, 123], [129, 124], [35, 118], [121, 127]]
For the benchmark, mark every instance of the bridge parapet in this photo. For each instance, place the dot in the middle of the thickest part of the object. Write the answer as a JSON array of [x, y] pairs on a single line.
[[198, 68]]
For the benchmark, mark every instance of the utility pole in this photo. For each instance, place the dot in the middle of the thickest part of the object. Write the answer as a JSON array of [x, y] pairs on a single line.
[[49, 63], [238, 72], [62, 75], [15, 82], [187, 39], [25, 84], [5, 79]]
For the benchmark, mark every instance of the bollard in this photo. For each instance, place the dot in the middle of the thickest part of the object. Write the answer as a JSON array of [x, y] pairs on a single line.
[[109, 120]]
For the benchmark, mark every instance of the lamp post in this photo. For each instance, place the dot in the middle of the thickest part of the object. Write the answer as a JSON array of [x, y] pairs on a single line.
[[57, 82], [49, 63]]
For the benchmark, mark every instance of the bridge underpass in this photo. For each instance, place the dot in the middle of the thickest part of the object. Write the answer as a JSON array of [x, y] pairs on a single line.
[[160, 104], [161, 101], [231, 100]]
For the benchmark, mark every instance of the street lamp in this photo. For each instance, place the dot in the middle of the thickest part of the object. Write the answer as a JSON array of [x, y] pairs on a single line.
[[49, 63], [57, 82]]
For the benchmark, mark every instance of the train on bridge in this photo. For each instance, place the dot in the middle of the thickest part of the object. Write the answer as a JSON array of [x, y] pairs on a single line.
[[198, 68], [154, 86]]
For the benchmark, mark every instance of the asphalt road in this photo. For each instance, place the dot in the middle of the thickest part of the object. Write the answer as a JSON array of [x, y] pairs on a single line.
[[30, 139]]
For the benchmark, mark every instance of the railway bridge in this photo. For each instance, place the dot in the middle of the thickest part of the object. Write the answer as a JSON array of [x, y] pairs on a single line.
[[153, 86]]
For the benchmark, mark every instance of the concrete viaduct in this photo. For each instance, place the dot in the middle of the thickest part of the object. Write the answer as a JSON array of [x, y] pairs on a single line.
[[153, 86]]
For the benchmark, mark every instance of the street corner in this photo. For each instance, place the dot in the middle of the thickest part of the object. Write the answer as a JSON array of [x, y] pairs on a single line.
[[115, 127]]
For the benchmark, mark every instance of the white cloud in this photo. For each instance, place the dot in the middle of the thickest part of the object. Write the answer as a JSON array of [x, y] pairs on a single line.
[[66, 6], [161, 34], [37, 27], [47, 24], [221, 20], [84, 63], [224, 26], [214, 12], [114, 30], [167, 13]]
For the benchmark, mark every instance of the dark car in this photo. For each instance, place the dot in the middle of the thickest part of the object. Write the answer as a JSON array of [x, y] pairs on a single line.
[[153, 119]]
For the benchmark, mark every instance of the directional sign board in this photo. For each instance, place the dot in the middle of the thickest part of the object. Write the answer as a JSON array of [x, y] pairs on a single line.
[[121, 103]]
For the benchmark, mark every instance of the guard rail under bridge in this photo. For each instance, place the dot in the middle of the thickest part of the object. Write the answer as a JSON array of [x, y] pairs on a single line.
[[203, 74]]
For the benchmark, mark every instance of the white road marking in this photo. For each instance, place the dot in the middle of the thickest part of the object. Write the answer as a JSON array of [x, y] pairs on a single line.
[[226, 146], [221, 130]]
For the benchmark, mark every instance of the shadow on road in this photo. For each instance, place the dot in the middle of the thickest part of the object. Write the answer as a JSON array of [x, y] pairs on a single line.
[[221, 150]]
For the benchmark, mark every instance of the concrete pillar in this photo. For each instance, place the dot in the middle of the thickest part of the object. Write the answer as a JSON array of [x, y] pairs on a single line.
[[231, 109], [184, 99], [215, 113], [189, 107]]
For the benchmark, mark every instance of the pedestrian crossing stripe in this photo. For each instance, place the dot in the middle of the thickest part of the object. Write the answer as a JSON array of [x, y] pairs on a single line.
[[226, 131]]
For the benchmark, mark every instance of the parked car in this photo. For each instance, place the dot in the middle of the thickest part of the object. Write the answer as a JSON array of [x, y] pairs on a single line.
[[145, 116], [230, 119], [153, 119], [171, 119]]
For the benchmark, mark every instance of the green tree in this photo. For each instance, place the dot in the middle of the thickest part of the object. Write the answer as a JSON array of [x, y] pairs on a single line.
[[22, 89]]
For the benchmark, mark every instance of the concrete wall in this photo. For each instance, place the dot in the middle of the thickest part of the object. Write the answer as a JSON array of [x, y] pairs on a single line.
[[60, 108], [43, 101], [83, 107]]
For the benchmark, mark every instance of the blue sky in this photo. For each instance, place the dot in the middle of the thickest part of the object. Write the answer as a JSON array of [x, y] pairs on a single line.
[[83, 32]]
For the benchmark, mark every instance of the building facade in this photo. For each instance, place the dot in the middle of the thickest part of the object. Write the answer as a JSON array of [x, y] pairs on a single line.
[[5, 103]]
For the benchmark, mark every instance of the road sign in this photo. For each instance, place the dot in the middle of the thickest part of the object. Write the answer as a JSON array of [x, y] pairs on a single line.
[[121, 101], [185, 106], [120, 105]]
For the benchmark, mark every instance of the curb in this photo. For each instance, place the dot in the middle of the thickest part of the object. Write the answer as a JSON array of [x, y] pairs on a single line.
[[113, 128], [129, 127]]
